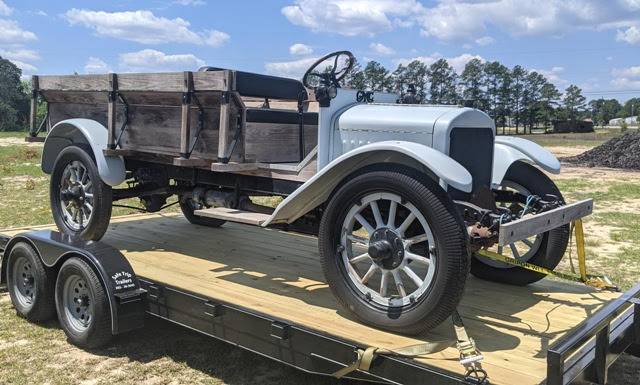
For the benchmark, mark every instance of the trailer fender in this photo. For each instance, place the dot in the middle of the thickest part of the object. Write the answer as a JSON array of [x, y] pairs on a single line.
[[418, 156], [89, 133], [508, 150], [126, 298]]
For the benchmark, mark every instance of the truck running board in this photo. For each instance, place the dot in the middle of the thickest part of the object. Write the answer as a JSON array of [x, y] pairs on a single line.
[[233, 215], [532, 225]]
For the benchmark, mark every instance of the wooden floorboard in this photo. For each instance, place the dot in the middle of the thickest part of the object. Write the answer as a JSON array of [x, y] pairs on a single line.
[[279, 274]]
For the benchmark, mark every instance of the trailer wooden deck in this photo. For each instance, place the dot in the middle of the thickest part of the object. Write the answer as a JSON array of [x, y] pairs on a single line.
[[279, 274]]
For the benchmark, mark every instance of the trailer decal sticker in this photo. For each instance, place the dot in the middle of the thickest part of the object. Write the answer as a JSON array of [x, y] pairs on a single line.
[[123, 280]]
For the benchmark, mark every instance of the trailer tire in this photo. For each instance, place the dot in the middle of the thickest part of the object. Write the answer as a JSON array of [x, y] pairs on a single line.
[[550, 247], [82, 305], [62, 207], [408, 312], [187, 211], [30, 284]]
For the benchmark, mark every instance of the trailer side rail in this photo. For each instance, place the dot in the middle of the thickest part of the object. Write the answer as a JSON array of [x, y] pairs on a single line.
[[587, 351]]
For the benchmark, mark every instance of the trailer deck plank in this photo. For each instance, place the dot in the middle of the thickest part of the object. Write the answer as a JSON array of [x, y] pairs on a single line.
[[279, 274]]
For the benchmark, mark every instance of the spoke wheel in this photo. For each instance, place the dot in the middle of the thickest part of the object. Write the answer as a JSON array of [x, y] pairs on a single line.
[[80, 200], [382, 257], [545, 250], [76, 195], [393, 249], [522, 250]]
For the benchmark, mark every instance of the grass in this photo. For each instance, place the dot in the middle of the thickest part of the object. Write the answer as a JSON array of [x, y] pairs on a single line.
[[613, 192], [589, 139], [13, 134]]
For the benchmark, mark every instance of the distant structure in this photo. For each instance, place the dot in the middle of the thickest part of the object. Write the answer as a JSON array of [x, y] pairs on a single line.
[[631, 121], [563, 126]]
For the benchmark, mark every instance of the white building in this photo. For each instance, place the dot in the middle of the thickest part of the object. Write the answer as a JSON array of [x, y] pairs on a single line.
[[631, 121]]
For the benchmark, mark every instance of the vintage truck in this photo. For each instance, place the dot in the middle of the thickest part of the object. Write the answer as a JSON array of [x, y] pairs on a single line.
[[401, 196]]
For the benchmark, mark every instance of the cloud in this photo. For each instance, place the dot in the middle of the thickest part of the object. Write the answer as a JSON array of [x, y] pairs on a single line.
[[381, 49], [485, 40], [300, 49], [189, 2], [96, 65], [457, 62], [290, 69], [27, 69], [12, 33], [5, 10], [352, 17], [151, 60], [626, 78], [451, 20], [554, 75], [143, 27], [631, 35], [21, 54]]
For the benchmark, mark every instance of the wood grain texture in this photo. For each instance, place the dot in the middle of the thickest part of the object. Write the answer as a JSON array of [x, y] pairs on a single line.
[[279, 274], [274, 143]]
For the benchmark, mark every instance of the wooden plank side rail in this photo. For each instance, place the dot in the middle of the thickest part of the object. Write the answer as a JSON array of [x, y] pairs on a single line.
[[112, 111]]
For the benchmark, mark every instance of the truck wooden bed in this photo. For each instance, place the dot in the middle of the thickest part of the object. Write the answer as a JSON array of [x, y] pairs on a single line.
[[263, 289]]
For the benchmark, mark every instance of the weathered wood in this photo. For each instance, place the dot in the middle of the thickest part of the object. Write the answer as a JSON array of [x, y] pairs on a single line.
[[111, 111], [233, 215], [234, 167], [224, 129], [33, 115], [192, 162], [272, 142], [185, 122], [75, 83]]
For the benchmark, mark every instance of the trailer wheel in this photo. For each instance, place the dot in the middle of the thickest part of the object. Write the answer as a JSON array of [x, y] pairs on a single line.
[[82, 305], [394, 251], [187, 211], [30, 284], [80, 201], [544, 250]]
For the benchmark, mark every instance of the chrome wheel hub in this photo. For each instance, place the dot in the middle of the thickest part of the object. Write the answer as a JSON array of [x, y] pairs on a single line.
[[76, 196]]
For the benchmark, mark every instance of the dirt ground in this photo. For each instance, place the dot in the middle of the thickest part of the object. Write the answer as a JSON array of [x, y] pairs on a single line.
[[165, 354]]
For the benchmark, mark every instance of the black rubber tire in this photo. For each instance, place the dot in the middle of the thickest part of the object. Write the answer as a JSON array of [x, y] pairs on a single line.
[[554, 242], [98, 333], [187, 211], [438, 303], [103, 196], [43, 306]]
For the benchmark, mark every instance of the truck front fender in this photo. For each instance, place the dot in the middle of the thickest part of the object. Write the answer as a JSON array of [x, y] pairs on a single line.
[[509, 150], [85, 132], [317, 190]]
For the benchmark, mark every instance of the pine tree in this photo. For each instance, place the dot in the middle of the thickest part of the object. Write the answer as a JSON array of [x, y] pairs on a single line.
[[376, 77], [14, 102], [442, 83], [472, 81], [574, 101]]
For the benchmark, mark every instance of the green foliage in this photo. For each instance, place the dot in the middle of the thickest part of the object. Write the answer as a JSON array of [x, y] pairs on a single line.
[[574, 101], [14, 102], [603, 110], [442, 85]]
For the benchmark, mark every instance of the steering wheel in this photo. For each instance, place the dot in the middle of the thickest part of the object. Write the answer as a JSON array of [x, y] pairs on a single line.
[[329, 76]]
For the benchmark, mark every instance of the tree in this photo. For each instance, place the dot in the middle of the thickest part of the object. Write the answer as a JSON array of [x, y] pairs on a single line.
[[574, 101], [549, 96], [518, 75], [14, 103], [442, 83], [497, 82], [631, 108], [472, 81], [532, 98], [414, 73], [603, 110], [355, 78], [376, 77]]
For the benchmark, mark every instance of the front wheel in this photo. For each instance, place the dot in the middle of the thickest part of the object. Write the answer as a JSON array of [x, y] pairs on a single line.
[[545, 250], [393, 251], [80, 200]]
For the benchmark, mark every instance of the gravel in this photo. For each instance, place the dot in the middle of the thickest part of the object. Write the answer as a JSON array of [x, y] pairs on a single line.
[[620, 152]]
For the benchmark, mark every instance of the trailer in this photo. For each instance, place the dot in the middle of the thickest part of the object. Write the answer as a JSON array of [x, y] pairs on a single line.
[[263, 290]]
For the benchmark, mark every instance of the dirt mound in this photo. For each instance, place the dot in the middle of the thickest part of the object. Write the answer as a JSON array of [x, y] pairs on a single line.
[[620, 152]]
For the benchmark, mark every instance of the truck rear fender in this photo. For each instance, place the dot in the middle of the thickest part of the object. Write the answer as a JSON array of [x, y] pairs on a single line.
[[84, 132], [317, 190], [509, 150]]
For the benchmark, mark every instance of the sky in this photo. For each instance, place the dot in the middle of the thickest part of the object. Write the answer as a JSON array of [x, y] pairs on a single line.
[[594, 44]]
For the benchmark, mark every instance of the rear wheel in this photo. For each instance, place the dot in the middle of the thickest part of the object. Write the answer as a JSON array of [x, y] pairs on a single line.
[[30, 284], [393, 251], [546, 249], [80, 201], [82, 305]]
